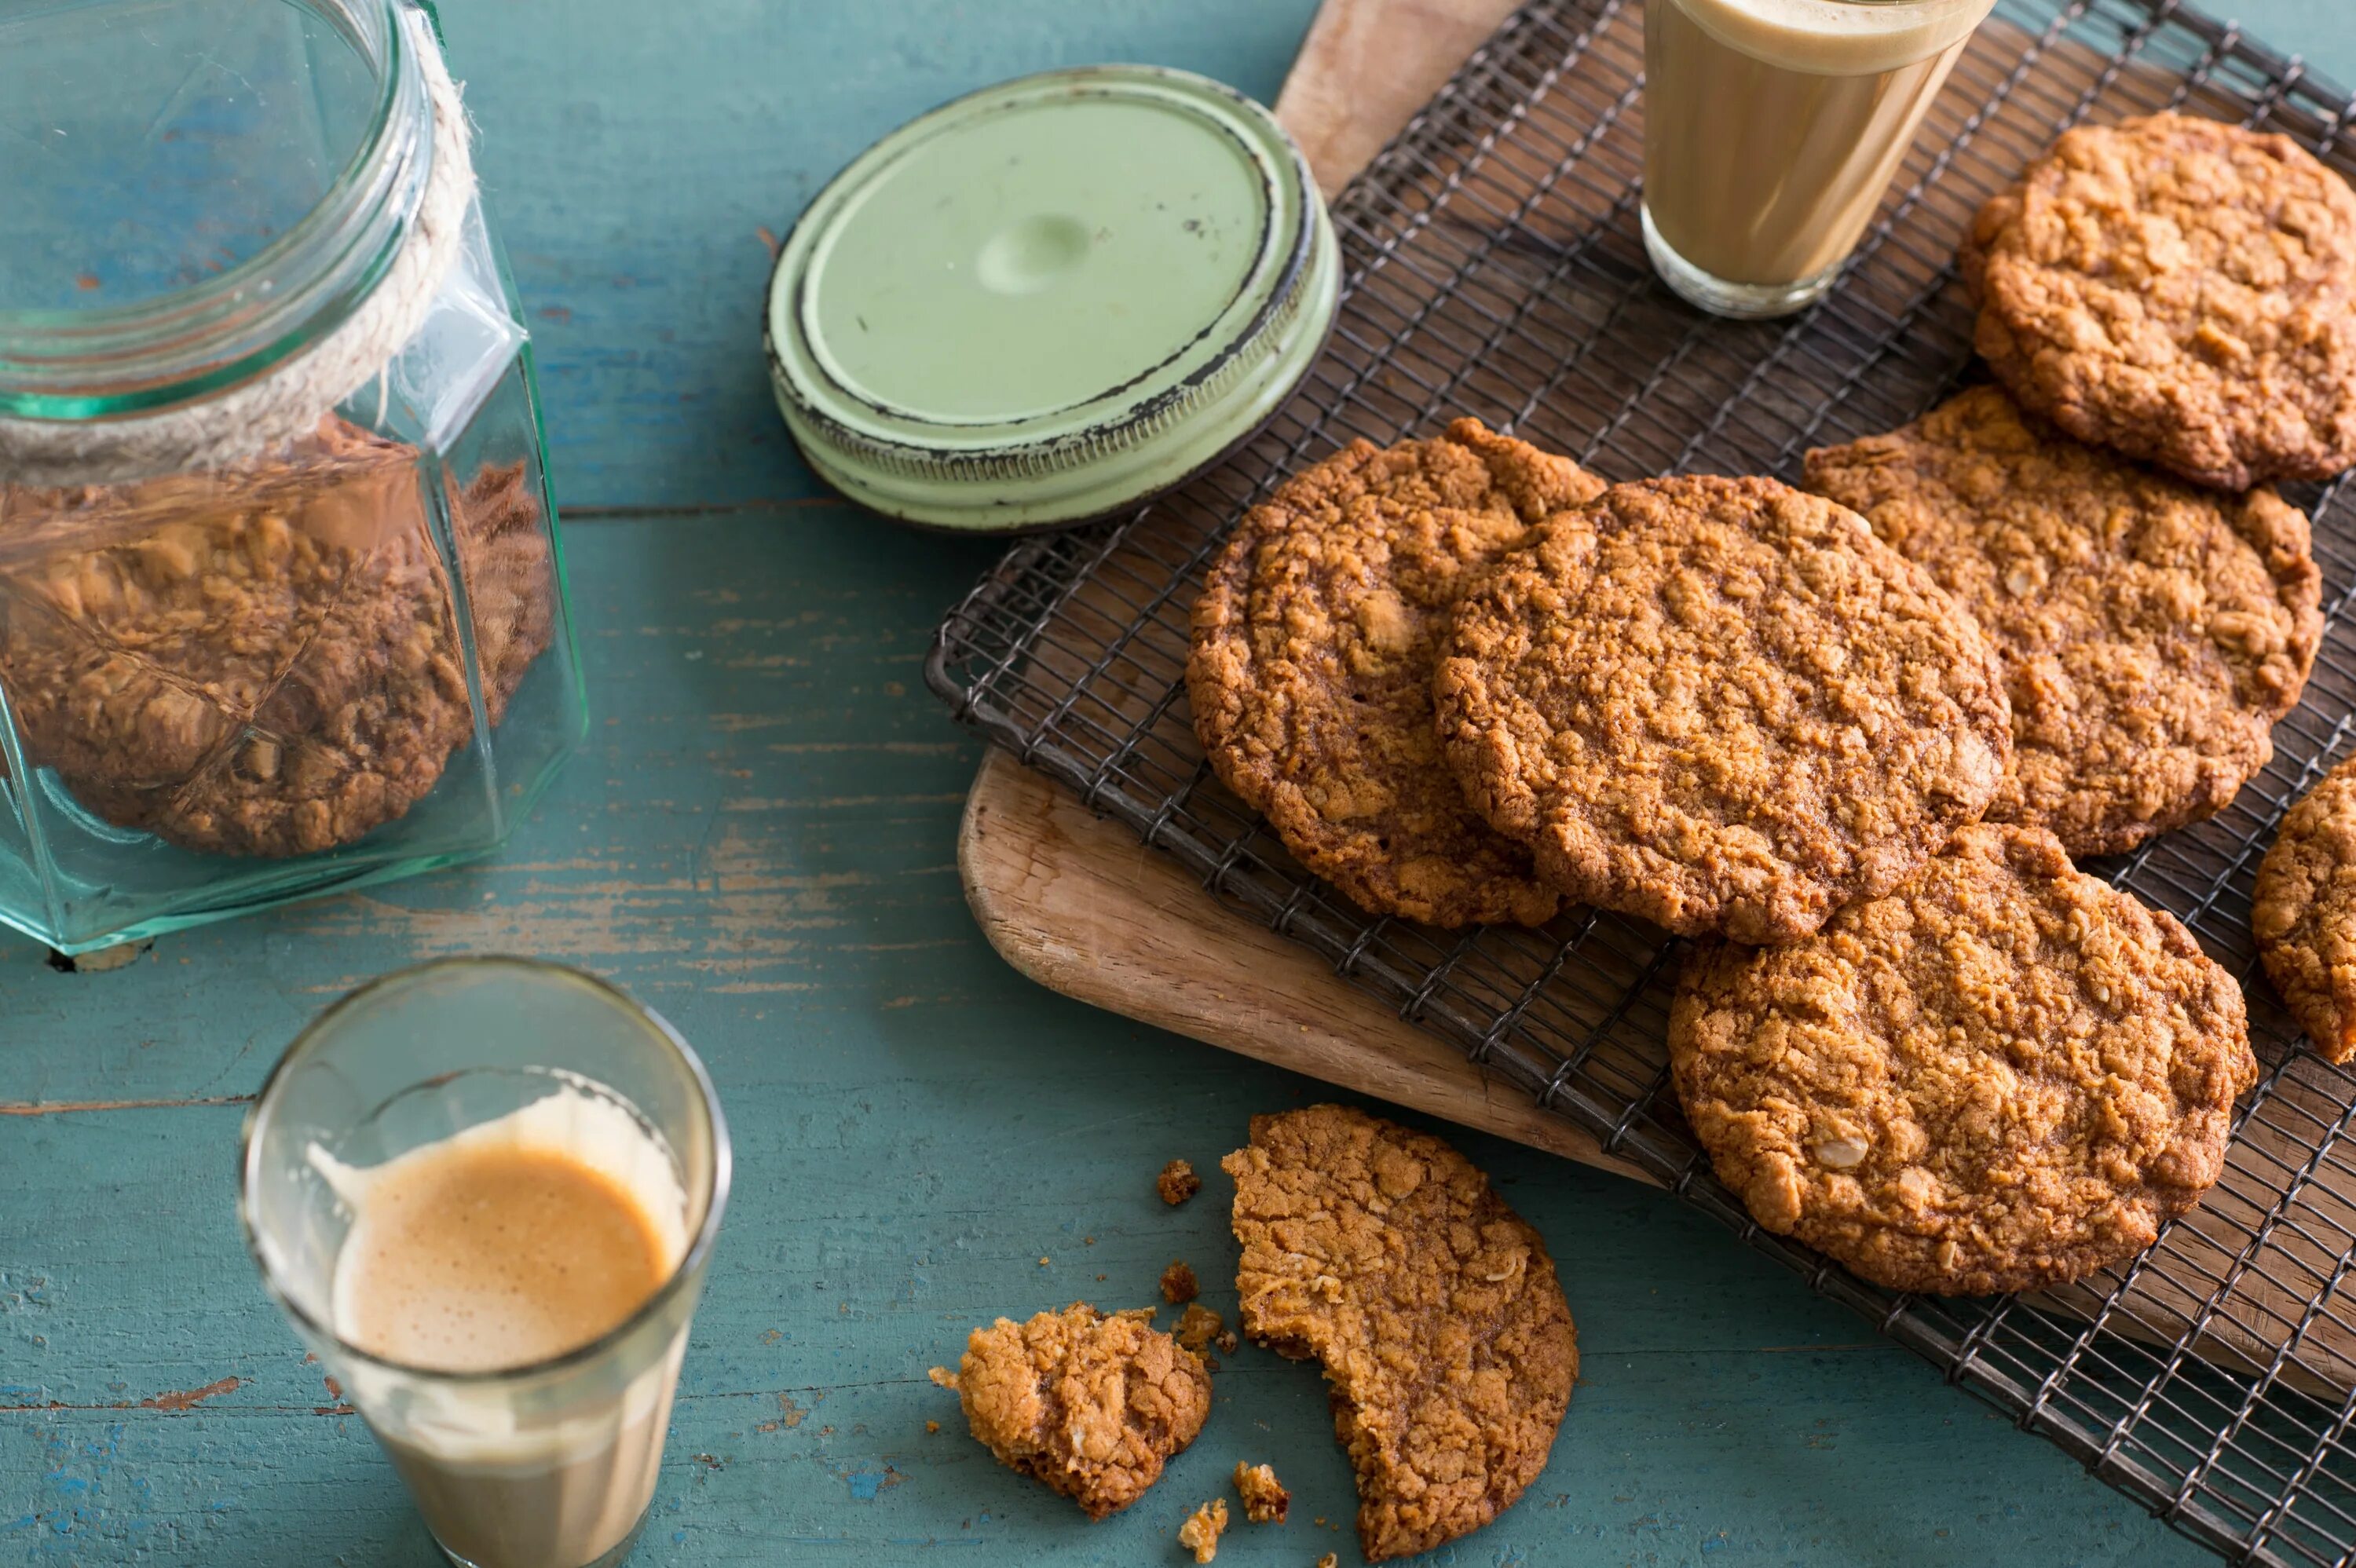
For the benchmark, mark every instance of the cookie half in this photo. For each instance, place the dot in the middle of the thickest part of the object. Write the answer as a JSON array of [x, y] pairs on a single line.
[[2151, 631], [2303, 912], [1310, 674], [2004, 1077], [1383, 1255], [2183, 290], [1720, 704]]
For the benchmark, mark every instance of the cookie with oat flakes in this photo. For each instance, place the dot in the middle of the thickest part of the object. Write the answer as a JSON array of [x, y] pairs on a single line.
[[2002, 1077], [2151, 631], [1311, 671], [2303, 912], [2183, 290], [266, 661], [1721, 705], [1093, 1406], [1447, 1349]]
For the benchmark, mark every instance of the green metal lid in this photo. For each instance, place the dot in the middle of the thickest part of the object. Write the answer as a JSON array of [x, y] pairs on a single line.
[[1050, 300]]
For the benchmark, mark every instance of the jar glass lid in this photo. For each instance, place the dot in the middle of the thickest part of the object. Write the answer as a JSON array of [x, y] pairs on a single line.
[[1050, 300]]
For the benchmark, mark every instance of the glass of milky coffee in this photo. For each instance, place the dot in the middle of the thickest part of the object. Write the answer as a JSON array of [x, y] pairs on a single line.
[[486, 1191], [1771, 128]]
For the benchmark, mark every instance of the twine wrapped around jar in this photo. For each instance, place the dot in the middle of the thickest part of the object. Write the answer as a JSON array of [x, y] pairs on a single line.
[[289, 400]]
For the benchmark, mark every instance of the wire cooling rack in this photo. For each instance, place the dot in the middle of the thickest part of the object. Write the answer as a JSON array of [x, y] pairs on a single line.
[[1495, 267]]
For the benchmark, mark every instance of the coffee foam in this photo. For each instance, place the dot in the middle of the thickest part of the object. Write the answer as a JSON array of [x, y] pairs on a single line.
[[571, 1122], [1831, 37], [482, 1423]]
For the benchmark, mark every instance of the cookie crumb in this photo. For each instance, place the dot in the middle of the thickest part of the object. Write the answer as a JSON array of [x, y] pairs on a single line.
[[1089, 1404], [1198, 1326], [1043, 1262], [1177, 1182], [1178, 1285], [1265, 1499], [1227, 1341], [1200, 1533], [944, 1378], [932, 1426], [1328, 1561]]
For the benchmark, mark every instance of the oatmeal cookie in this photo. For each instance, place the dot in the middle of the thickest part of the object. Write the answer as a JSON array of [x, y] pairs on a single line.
[[2151, 633], [264, 662], [1720, 704], [2303, 912], [2183, 290], [1093, 1406], [2003, 1077], [1434, 1309], [1311, 675]]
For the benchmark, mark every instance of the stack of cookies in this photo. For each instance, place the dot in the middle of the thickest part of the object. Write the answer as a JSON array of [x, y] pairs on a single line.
[[1850, 737]]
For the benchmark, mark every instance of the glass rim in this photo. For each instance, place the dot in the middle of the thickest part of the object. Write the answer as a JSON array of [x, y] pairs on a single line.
[[691, 1262], [186, 344]]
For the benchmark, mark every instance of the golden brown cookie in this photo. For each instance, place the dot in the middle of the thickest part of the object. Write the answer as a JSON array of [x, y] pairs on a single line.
[[1720, 704], [1091, 1405], [2303, 912], [2002, 1077], [2151, 633], [1311, 675], [265, 661], [1383, 1255], [2183, 290]]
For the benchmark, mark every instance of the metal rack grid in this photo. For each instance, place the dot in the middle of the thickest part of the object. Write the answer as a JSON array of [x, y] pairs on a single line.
[[1494, 266]]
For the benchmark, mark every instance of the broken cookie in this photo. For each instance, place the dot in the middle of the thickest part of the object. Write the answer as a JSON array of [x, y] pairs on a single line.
[[1383, 1255], [1091, 1405]]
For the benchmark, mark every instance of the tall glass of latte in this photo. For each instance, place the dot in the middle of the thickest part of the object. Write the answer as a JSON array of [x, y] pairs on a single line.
[[1771, 128], [486, 1191]]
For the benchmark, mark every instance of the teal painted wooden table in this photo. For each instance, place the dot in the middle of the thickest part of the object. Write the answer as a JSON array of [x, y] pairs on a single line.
[[759, 842]]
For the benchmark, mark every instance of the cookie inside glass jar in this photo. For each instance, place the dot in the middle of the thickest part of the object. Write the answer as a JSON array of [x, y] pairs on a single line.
[[266, 660]]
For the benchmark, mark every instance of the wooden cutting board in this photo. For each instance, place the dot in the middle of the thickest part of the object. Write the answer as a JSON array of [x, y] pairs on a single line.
[[1078, 905]]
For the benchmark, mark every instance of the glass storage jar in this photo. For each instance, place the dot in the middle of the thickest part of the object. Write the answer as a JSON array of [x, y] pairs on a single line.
[[282, 601]]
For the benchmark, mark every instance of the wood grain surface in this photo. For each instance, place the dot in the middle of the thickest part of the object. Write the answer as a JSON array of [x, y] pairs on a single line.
[[1366, 67], [1078, 905], [760, 841]]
